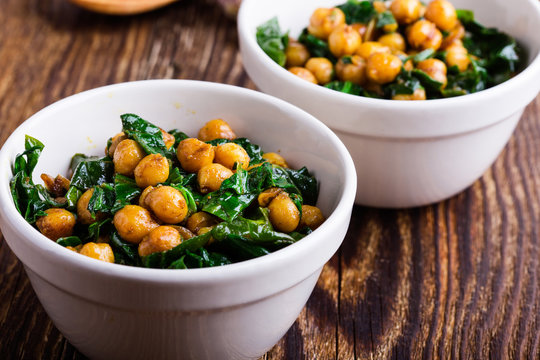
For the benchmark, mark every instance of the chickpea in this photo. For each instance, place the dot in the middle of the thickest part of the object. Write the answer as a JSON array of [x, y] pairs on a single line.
[[322, 68], [211, 176], [323, 21], [100, 251], [344, 40], [352, 68], [144, 194], [369, 48], [230, 153], [423, 35], [57, 224], [405, 11], [390, 28], [418, 94], [127, 156], [83, 214], [184, 232], [193, 154], [283, 213], [435, 68], [200, 220], [303, 74], [160, 239], [275, 159], [379, 6], [168, 139], [167, 204], [360, 28], [268, 195], [394, 41], [297, 54], [442, 13], [133, 223], [151, 170], [312, 217], [383, 68], [205, 230], [115, 140], [457, 55], [454, 36], [216, 129]]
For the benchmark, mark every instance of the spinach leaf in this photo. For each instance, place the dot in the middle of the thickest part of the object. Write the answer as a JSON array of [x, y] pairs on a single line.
[[385, 18], [28, 197], [91, 172], [148, 135], [241, 249], [345, 87], [124, 253], [200, 259], [306, 183], [98, 228], [102, 199], [472, 80], [272, 41], [423, 55], [69, 241], [358, 11], [189, 197], [178, 136], [405, 84], [164, 259], [316, 46], [254, 151], [432, 86], [125, 190]]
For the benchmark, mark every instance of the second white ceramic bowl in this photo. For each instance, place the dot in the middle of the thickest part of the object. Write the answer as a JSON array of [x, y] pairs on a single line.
[[406, 153], [238, 311]]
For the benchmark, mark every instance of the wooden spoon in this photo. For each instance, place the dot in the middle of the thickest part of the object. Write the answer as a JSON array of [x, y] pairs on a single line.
[[121, 7]]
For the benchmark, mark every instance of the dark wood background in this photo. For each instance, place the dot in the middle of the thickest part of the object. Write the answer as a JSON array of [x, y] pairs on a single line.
[[459, 279]]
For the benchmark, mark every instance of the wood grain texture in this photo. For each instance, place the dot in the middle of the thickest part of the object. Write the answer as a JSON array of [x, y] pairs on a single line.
[[455, 280]]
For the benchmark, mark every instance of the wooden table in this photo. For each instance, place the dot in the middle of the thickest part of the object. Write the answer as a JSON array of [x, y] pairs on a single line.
[[459, 279]]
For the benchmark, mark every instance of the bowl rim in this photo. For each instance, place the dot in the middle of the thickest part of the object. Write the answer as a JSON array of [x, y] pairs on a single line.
[[242, 269], [526, 75]]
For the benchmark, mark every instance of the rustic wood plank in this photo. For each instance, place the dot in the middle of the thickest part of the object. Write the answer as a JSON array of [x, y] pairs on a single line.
[[459, 279]]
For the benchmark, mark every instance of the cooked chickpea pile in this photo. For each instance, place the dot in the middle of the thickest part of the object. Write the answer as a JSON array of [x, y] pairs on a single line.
[[375, 54], [159, 218]]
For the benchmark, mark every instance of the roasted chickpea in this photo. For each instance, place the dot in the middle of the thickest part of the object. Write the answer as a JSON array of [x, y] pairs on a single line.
[[275, 159], [303, 74], [322, 68], [268, 195], [230, 153], [312, 217], [423, 35], [193, 154], [323, 21], [133, 223], [57, 224], [83, 214], [100, 251], [160, 239], [418, 94], [211, 176], [383, 68], [151, 170], [216, 129], [283, 213], [200, 220], [457, 55], [379, 6], [454, 36], [144, 194], [435, 68], [167, 204], [390, 28], [184, 232], [297, 54], [115, 140], [442, 13], [365, 50], [127, 156], [394, 41], [405, 11], [344, 40], [168, 139], [352, 68], [360, 28]]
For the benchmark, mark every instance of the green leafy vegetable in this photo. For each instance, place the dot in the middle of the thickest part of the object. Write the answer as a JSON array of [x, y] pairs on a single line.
[[316, 46], [358, 11], [69, 241], [272, 41], [385, 18], [148, 135]]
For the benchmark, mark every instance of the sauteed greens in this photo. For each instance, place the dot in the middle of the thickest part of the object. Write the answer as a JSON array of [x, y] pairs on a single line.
[[395, 49], [166, 200]]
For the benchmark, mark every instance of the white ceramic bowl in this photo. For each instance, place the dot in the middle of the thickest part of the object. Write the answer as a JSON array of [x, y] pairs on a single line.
[[238, 311], [406, 153]]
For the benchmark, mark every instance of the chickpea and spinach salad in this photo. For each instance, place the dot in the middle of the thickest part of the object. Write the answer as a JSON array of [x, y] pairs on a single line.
[[399, 50], [166, 200]]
